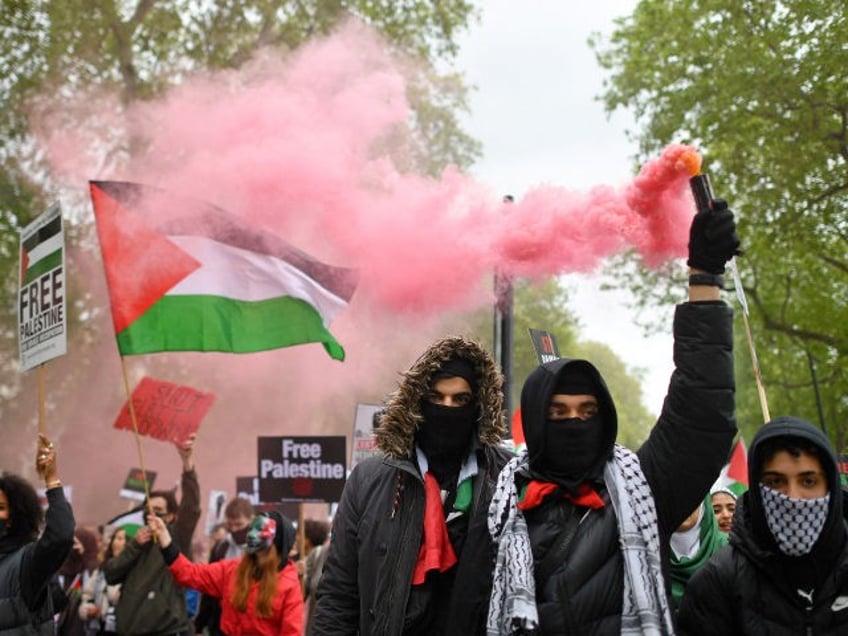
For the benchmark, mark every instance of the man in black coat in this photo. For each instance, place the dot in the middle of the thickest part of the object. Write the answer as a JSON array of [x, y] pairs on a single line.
[[410, 553], [582, 523], [786, 568]]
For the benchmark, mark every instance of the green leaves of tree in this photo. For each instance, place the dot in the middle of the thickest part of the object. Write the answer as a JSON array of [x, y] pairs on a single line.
[[760, 88]]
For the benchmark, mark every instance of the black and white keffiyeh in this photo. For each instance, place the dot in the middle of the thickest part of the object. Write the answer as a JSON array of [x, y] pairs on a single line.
[[512, 605], [795, 524], [645, 610]]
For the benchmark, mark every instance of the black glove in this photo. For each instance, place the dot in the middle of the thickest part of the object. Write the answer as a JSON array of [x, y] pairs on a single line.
[[712, 239]]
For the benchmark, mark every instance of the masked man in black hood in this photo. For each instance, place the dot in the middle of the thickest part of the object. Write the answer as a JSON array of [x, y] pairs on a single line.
[[410, 552], [582, 523], [786, 568]]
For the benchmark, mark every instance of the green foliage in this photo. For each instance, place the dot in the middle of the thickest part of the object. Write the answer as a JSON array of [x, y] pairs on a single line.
[[542, 305], [760, 88]]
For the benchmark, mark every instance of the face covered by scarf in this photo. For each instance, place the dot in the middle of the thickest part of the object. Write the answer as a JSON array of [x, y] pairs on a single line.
[[572, 446], [446, 432], [795, 524], [574, 449]]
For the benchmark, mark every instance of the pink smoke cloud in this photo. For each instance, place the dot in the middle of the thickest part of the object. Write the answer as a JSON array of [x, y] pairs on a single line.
[[301, 146]]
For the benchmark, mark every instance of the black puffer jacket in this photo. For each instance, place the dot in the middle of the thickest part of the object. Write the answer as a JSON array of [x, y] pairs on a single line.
[[750, 587], [27, 570], [681, 459], [366, 587]]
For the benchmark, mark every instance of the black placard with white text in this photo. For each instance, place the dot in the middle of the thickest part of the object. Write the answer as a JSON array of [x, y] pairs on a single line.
[[301, 468]]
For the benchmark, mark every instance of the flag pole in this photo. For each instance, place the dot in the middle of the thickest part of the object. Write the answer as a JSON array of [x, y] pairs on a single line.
[[135, 432], [702, 192], [740, 295], [42, 381]]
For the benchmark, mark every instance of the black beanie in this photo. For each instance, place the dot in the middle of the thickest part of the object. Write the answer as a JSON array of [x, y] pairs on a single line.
[[576, 382], [458, 368]]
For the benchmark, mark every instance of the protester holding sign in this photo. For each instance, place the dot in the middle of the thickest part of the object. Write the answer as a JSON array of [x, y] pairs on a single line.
[[150, 602], [29, 561], [410, 553], [260, 593]]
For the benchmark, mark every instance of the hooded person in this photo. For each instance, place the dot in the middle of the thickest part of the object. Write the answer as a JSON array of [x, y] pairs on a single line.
[[786, 568], [583, 524], [259, 592], [410, 552]]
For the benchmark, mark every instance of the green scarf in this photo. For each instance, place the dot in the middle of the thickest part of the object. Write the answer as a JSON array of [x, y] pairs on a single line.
[[711, 539]]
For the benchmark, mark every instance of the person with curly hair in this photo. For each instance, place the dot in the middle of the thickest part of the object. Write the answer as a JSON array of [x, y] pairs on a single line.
[[28, 562]]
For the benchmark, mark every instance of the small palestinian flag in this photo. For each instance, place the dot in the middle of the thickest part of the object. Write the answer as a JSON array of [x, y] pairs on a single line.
[[130, 521]]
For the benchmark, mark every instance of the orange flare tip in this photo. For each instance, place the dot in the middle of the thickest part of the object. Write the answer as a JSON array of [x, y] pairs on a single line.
[[691, 162]]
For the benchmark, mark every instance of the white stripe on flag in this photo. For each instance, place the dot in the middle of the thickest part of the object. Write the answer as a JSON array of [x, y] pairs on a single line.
[[46, 248], [240, 274]]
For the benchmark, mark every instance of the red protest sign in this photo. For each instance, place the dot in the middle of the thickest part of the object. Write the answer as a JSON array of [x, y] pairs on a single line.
[[164, 410]]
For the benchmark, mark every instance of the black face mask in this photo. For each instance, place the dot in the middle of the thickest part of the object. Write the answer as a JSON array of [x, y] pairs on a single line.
[[240, 536], [572, 447], [445, 434]]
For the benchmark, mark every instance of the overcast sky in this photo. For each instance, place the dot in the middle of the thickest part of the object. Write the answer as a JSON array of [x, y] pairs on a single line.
[[536, 114]]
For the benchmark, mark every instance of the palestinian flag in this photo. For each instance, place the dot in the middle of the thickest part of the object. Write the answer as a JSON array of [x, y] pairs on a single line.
[[203, 281], [42, 250], [130, 521], [734, 475]]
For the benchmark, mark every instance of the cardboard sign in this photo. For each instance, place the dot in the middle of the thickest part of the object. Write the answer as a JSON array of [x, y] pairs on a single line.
[[42, 322], [165, 411], [364, 441], [545, 345], [301, 468], [133, 487]]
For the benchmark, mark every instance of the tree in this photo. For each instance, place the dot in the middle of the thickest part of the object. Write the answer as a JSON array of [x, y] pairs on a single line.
[[56, 48], [760, 89]]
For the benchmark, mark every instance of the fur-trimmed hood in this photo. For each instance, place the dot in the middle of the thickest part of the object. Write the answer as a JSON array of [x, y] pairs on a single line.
[[401, 416]]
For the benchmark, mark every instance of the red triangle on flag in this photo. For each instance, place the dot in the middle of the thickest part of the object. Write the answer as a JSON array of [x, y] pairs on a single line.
[[737, 469], [141, 264]]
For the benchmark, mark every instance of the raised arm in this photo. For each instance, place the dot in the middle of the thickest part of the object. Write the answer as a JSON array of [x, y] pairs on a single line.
[[689, 444], [208, 578], [188, 513], [54, 544]]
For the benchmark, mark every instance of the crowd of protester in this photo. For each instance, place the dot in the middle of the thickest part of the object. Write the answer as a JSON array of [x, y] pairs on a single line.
[[449, 531]]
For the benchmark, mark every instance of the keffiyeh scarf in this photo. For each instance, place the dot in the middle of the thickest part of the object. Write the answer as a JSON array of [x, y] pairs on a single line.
[[645, 609]]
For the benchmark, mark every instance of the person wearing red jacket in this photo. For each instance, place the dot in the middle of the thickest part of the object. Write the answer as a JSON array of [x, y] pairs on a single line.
[[260, 593]]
